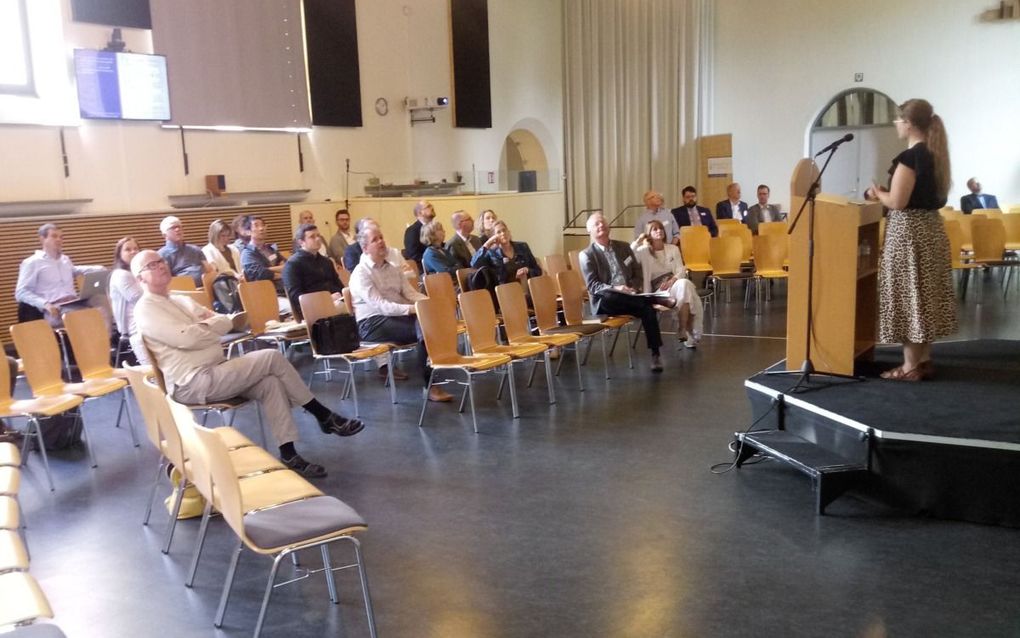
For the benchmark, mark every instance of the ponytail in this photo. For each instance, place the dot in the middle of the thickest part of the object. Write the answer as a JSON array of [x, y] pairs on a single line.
[[938, 144]]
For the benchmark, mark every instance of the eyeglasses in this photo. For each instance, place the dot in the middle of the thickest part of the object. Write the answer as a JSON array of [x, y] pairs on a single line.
[[899, 120], [152, 265]]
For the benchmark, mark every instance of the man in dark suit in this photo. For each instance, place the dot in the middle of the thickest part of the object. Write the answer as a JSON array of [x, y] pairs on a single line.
[[763, 211], [463, 244], [976, 199], [413, 248], [732, 207], [690, 214], [613, 276]]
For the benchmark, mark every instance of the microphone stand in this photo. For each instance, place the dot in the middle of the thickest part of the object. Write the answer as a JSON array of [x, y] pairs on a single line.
[[807, 367], [347, 185]]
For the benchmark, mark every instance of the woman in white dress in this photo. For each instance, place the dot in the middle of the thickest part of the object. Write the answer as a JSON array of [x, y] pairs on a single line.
[[663, 270], [221, 251], [125, 291]]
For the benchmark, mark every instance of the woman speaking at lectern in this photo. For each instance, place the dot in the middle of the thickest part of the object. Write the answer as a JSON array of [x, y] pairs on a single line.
[[917, 304]]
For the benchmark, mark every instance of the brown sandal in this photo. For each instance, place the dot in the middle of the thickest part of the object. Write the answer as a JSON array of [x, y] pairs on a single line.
[[922, 372]]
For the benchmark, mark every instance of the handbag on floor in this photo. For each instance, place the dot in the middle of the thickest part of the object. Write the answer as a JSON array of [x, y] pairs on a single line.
[[336, 335]]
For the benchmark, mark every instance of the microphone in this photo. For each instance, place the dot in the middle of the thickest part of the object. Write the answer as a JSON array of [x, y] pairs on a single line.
[[835, 145]]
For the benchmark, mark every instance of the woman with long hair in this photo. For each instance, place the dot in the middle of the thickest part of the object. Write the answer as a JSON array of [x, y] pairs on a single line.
[[486, 221], [125, 291], [915, 279], [663, 270], [221, 251]]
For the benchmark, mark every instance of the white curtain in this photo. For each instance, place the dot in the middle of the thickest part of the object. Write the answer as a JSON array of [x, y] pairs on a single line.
[[636, 99]]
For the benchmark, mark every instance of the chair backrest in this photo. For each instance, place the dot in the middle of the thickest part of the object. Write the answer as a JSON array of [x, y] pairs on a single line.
[[464, 277], [349, 300], [259, 301], [543, 298], [555, 264], [989, 212], [514, 307], [343, 274], [315, 306], [439, 286], [37, 346], [1011, 224], [955, 242], [439, 329], [574, 256], [741, 232], [769, 252], [411, 265], [182, 282], [86, 330], [694, 244], [1013, 209], [965, 235], [207, 282], [480, 318], [726, 255], [143, 394], [989, 239], [773, 228], [5, 384], [572, 293], [721, 223], [199, 296]]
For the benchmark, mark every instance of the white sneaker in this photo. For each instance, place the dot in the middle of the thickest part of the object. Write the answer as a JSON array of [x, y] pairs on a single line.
[[692, 340]]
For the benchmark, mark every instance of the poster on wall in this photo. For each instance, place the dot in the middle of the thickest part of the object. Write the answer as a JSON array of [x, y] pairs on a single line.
[[720, 166]]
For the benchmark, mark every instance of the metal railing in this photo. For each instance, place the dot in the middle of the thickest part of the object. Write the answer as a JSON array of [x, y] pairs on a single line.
[[612, 223]]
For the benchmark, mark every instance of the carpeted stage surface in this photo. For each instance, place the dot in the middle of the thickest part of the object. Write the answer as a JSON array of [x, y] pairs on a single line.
[[975, 393]]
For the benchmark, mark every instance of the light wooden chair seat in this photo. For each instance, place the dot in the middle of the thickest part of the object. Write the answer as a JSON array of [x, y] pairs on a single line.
[[694, 247], [770, 252], [10, 513], [13, 555], [727, 263], [9, 455], [261, 307], [21, 599], [571, 296]]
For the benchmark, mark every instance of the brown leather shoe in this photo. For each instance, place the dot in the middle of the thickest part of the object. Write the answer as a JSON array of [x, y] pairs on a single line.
[[398, 374], [438, 395]]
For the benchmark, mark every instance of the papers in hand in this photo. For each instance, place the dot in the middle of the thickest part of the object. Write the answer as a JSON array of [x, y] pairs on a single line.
[[658, 294], [285, 327]]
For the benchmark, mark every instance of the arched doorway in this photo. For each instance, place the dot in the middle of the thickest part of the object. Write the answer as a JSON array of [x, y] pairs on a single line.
[[524, 163], [869, 115]]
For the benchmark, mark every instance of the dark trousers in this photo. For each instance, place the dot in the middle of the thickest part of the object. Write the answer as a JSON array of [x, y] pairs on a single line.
[[618, 303], [400, 330]]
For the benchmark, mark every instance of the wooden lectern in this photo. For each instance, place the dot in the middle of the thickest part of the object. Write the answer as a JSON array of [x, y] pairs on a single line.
[[844, 317]]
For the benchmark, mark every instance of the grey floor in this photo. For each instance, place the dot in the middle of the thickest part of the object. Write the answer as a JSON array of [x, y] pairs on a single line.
[[594, 517]]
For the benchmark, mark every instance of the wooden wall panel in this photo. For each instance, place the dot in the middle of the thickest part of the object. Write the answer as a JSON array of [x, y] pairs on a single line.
[[713, 189], [90, 240]]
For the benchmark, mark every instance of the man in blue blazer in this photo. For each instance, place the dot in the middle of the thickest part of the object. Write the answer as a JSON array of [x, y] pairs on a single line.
[[976, 199], [690, 214], [733, 207]]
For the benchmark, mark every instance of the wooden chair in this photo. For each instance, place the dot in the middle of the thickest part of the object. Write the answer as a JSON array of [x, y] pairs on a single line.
[[1011, 224], [695, 248], [86, 330], [464, 277], [965, 222], [773, 228], [743, 233], [727, 258], [770, 252], [543, 296], [438, 328], [956, 255], [319, 305], [261, 307], [299, 517], [482, 326], [989, 241], [38, 348], [22, 601], [183, 283], [572, 296], [396, 349], [343, 274], [555, 264], [439, 286], [517, 326]]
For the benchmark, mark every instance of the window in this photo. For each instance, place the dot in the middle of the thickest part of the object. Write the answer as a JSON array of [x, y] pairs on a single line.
[[15, 53], [857, 107]]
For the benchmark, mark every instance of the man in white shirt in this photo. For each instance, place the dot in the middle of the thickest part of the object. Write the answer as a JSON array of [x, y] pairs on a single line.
[[732, 207], [763, 211], [655, 210], [46, 280], [184, 338], [384, 302]]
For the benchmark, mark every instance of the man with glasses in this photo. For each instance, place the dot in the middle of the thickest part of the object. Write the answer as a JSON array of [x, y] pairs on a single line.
[[463, 244], [184, 339]]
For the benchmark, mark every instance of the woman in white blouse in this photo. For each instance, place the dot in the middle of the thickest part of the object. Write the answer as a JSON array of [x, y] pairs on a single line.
[[663, 269], [221, 251], [125, 291]]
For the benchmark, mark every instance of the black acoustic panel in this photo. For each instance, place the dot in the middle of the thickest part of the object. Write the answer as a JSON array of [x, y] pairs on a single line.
[[472, 97], [116, 13], [334, 75]]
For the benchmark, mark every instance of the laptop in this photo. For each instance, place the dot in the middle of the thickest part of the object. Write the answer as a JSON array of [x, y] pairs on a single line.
[[94, 283]]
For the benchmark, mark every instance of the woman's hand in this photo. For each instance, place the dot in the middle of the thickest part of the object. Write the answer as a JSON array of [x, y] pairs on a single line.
[[669, 282], [521, 272]]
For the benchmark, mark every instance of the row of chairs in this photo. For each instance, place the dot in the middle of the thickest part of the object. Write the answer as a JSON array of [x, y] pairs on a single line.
[[22, 601], [271, 510], [990, 246]]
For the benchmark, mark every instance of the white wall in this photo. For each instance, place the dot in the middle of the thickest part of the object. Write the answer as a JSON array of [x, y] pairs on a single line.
[[404, 51], [777, 63]]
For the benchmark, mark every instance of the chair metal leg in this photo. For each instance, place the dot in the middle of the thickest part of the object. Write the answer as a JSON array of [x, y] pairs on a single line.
[[354, 387], [425, 399], [222, 610], [363, 576], [513, 389], [534, 366], [171, 525], [124, 408], [548, 376], [577, 362], [202, 529], [471, 397], [605, 356], [267, 596], [630, 353], [499, 390], [85, 433], [152, 492], [33, 424], [328, 568], [463, 400], [389, 378]]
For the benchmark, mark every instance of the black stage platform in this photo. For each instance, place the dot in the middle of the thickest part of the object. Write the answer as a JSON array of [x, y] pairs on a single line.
[[948, 448]]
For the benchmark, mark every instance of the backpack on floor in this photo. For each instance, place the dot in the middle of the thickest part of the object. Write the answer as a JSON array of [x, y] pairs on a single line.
[[60, 432], [226, 298]]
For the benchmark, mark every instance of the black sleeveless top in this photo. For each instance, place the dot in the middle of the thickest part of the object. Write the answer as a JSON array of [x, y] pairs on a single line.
[[925, 194]]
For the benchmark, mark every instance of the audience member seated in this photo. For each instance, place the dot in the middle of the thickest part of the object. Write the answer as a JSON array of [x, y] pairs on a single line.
[[183, 259], [308, 271], [241, 225], [436, 257], [463, 244], [662, 268], [507, 259], [976, 199], [763, 211], [343, 237], [221, 253], [125, 291], [655, 210], [46, 282], [732, 207], [613, 276], [307, 217], [352, 255], [690, 214], [184, 338], [384, 302], [487, 220], [413, 249], [260, 260]]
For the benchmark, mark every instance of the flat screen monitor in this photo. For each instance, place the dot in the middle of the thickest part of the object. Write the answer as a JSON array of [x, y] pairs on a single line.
[[121, 86]]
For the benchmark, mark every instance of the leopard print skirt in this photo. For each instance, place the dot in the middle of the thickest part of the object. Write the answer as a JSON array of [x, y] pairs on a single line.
[[915, 283]]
